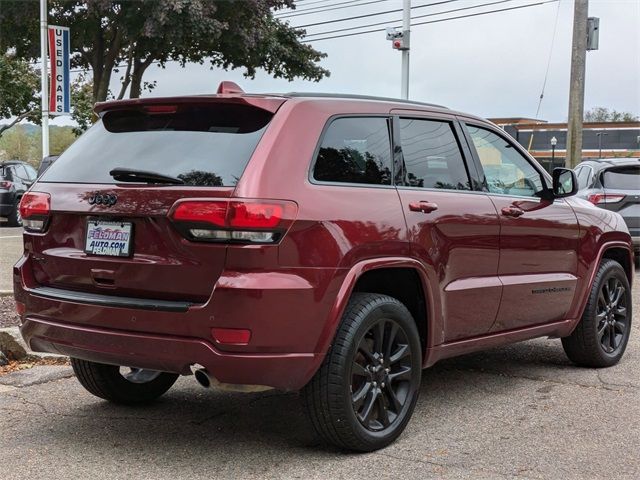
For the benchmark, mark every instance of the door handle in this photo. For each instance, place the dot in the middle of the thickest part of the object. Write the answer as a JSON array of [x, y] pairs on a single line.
[[422, 206], [512, 211]]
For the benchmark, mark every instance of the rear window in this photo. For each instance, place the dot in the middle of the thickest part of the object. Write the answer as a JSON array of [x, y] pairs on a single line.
[[201, 145], [355, 150], [627, 178]]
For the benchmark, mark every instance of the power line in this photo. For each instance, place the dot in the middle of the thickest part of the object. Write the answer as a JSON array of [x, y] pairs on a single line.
[[326, 8], [546, 73], [387, 22], [375, 14], [433, 21]]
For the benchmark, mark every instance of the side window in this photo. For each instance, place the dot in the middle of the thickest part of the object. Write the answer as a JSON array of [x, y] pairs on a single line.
[[31, 172], [20, 172], [355, 150], [432, 155], [583, 174], [506, 170]]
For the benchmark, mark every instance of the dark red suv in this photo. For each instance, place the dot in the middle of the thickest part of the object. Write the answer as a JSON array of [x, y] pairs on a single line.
[[330, 244]]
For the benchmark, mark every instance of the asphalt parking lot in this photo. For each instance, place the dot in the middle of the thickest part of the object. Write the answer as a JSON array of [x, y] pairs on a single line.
[[10, 251], [520, 411]]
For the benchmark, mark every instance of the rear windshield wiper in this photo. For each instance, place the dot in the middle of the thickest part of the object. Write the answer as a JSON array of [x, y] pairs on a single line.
[[131, 175]]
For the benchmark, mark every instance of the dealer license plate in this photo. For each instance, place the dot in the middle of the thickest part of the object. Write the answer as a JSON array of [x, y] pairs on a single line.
[[108, 238]]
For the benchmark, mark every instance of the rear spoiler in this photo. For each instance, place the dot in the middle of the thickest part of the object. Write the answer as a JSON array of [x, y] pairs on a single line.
[[270, 104]]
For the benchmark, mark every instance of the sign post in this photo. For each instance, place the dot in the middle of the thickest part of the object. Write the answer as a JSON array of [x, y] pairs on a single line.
[[44, 78]]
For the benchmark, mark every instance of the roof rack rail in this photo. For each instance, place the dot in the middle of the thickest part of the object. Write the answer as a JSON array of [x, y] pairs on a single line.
[[360, 97]]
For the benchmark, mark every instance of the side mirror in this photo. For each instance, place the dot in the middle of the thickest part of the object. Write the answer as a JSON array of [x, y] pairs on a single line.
[[565, 182]]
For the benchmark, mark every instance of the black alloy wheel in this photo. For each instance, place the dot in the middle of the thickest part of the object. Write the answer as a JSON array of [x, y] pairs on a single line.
[[612, 314], [364, 393], [381, 375], [601, 336]]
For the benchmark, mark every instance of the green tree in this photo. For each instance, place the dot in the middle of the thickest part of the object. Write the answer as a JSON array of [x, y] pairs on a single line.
[[137, 34], [604, 114], [17, 144], [82, 104], [19, 91]]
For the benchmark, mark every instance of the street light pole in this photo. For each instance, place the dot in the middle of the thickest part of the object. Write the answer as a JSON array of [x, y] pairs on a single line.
[[406, 25], [599, 135]]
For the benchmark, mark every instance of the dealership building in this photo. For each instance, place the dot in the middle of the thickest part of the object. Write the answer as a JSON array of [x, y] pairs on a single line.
[[548, 141]]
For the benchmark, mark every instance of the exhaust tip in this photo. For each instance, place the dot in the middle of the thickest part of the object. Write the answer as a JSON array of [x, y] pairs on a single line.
[[202, 378]]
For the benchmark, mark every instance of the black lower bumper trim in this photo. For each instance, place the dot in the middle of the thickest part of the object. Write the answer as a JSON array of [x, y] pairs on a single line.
[[110, 300]]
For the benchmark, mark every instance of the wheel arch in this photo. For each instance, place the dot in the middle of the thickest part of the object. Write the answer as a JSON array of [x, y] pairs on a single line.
[[378, 276], [614, 250]]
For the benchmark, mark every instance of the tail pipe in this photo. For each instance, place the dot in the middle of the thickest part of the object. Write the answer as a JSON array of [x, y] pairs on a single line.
[[206, 380]]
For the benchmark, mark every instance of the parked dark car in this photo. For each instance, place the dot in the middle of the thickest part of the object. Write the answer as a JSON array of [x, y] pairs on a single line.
[[15, 178], [330, 244], [614, 184]]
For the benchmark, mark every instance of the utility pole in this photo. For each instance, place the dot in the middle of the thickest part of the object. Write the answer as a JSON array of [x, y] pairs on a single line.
[[576, 84], [44, 79], [406, 26]]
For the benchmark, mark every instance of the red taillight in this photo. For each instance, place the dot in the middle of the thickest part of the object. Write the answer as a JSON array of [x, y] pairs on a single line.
[[600, 198], [255, 215], [196, 211], [35, 204], [34, 209], [233, 220], [231, 336], [6, 184]]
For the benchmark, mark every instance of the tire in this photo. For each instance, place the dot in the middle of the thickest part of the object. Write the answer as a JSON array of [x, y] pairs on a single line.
[[134, 387], [353, 364], [15, 219], [601, 337]]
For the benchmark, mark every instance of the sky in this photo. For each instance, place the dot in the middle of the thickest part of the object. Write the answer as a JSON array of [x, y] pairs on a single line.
[[492, 65]]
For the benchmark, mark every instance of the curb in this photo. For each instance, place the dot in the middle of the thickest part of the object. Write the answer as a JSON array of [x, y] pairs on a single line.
[[14, 333], [6, 293]]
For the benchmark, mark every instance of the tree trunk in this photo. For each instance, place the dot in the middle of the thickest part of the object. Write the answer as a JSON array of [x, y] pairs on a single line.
[[126, 80], [136, 77], [103, 64]]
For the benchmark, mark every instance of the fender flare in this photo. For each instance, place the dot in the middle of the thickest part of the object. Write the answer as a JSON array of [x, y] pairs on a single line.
[[580, 302], [348, 284]]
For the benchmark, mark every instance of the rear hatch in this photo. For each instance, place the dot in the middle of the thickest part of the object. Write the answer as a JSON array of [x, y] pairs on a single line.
[[108, 229], [622, 194]]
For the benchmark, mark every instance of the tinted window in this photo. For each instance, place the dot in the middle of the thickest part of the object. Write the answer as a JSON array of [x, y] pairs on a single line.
[[583, 174], [432, 155], [31, 172], [507, 171], [19, 172], [201, 145], [355, 150], [622, 178]]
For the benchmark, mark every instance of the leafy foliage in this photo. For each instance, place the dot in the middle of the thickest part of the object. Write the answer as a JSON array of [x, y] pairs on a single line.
[[604, 114], [82, 105], [136, 34], [24, 142], [19, 91]]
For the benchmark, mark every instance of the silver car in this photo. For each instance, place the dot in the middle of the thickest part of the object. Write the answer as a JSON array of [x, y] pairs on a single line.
[[614, 184]]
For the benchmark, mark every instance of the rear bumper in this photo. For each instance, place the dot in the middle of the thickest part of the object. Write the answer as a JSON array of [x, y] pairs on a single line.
[[287, 312], [168, 354]]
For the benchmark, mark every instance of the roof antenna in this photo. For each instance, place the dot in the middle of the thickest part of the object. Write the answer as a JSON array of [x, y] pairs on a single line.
[[229, 88]]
